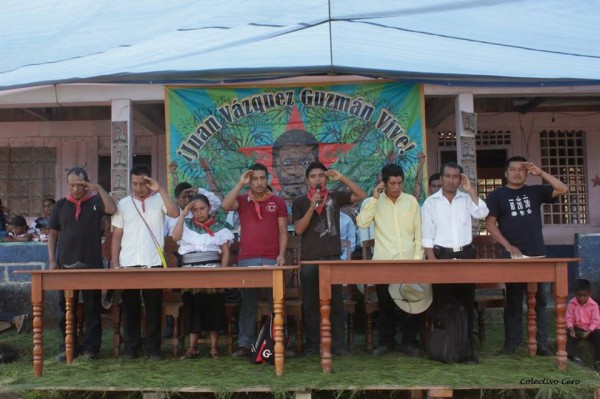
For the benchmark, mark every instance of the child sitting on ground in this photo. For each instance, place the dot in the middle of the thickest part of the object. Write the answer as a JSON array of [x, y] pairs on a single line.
[[583, 322]]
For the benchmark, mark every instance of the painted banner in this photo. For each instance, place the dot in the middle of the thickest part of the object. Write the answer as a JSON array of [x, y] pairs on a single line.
[[215, 133]]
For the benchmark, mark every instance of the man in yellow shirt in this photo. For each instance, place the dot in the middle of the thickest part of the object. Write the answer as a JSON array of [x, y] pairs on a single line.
[[397, 236]]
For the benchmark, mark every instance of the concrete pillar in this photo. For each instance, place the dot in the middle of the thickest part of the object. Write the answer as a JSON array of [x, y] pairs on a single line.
[[121, 146], [466, 129]]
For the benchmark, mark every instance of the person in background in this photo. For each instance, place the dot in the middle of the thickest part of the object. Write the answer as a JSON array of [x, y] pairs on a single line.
[[17, 230], [515, 221], [435, 183], [365, 233], [263, 239], [347, 232], [317, 219], [138, 231], [583, 322], [397, 226], [38, 223], [4, 212], [44, 231], [203, 242], [75, 237]]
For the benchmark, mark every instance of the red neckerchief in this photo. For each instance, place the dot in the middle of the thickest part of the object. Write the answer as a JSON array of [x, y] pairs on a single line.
[[78, 203], [324, 194], [206, 225], [256, 201], [142, 199]]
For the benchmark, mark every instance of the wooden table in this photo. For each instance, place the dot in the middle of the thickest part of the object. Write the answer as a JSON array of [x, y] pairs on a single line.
[[157, 278], [526, 270]]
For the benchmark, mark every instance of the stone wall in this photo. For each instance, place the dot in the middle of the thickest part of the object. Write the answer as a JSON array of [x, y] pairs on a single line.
[[15, 289], [587, 247]]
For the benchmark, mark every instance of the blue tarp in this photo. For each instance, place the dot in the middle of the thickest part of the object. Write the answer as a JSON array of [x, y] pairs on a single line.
[[497, 42]]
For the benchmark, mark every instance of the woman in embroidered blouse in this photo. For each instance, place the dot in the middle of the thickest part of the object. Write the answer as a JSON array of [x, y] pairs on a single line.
[[203, 242]]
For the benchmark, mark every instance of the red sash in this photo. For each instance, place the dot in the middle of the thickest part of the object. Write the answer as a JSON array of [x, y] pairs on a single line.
[[78, 203], [206, 225], [324, 193], [257, 200], [144, 198]]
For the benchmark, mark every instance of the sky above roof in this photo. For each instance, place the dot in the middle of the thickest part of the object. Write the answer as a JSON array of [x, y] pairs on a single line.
[[486, 42]]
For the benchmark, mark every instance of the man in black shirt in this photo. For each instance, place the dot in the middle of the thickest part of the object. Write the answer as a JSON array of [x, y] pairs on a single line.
[[76, 225], [515, 221]]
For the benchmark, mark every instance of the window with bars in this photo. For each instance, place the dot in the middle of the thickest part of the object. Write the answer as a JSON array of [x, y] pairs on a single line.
[[484, 138], [486, 186], [26, 178], [563, 156]]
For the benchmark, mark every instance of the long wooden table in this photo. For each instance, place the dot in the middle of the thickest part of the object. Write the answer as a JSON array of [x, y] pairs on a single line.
[[156, 278], [525, 270]]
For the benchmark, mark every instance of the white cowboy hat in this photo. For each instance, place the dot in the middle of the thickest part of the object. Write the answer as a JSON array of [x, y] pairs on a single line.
[[412, 298]]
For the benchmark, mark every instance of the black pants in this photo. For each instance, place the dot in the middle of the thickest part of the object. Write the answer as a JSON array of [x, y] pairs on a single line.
[[206, 311], [513, 313], [92, 336], [309, 276], [462, 293], [594, 338], [386, 318], [131, 320]]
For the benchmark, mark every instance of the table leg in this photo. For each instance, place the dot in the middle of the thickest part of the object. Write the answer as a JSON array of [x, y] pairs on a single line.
[[37, 301], [531, 323], [561, 335], [69, 325], [325, 301], [278, 310], [561, 291], [115, 311]]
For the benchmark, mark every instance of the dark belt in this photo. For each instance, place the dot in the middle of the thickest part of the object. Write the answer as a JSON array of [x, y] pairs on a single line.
[[206, 262], [452, 250]]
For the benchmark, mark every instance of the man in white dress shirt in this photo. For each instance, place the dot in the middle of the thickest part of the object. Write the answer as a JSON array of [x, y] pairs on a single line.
[[447, 233], [138, 229]]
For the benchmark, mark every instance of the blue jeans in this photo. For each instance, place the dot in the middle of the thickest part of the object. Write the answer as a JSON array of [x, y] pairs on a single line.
[[247, 321]]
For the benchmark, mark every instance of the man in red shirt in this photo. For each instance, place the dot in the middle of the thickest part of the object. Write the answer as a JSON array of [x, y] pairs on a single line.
[[263, 239]]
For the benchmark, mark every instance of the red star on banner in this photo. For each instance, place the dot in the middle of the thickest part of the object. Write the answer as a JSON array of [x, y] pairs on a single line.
[[262, 154], [329, 153], [596, 181]]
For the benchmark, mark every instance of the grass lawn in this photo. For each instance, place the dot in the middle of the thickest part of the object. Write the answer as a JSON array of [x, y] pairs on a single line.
[[360, 375]]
